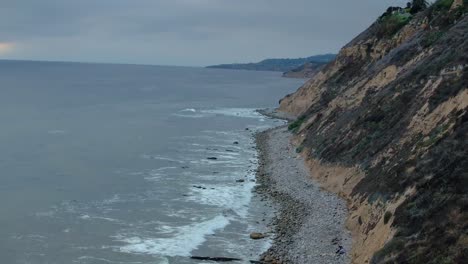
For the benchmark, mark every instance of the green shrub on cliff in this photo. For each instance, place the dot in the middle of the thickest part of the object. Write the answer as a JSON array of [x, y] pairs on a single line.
[[443, 4], [389, 25], [387, 217], [432, 38], [418, 5], [294, 126]]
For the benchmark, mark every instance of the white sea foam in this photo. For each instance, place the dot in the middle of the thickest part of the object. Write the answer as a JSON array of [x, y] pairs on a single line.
[[155, 176], [100, 260], [224, 133], [236, 197], [165, 168], [106, 219], [226, 163], [114, 199], [184, 240], [85, 217], [235, 112], [189, 110], [156, 157], [232, 112], [190, 116]]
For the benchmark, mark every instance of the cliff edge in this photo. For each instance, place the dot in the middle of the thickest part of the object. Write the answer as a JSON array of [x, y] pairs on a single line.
[[385, 124]]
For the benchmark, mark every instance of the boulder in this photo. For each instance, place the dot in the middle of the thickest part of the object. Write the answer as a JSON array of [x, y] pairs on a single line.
[[255, 235]]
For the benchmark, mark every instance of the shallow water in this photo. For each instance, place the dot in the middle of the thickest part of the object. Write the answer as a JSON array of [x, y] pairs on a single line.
[[108, 163]]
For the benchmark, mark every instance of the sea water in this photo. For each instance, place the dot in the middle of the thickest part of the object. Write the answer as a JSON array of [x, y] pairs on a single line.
[[106, 163]]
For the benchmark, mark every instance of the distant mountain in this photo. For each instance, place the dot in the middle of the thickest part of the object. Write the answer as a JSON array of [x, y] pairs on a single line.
[[282, 65]]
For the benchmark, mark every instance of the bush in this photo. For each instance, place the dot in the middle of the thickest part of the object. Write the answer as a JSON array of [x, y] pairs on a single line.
[[387, 217], [394, 245], [443, 4], [294, 126], [299, 149], [418, 5], [432, 38], [391, 24]]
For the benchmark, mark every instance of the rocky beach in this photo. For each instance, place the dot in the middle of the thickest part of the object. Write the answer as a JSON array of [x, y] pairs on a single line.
[[309, 226]]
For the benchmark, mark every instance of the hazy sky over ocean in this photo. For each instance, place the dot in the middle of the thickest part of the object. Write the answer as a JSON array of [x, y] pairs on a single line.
[[180, 32]]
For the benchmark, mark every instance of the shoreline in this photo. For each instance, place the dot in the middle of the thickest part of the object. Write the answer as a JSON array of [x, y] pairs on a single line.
[[309, 225]]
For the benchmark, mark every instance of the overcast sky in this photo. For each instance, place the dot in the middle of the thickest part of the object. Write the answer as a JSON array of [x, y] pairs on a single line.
[[180, 32]]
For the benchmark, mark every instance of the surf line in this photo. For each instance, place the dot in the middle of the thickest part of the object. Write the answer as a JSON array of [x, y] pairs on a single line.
[[224, 259]]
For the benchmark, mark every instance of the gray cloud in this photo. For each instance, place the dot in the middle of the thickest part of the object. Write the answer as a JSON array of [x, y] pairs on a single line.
[[181, 32]]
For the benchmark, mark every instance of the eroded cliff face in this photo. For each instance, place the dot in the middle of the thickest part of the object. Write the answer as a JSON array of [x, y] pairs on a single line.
[[308, 70], [385, 126]]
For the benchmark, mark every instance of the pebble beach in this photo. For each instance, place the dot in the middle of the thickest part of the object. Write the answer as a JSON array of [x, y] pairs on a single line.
[[309, 225]]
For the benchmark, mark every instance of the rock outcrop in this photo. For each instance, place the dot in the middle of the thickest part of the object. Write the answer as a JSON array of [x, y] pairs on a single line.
[[308, 70], [385, 125]]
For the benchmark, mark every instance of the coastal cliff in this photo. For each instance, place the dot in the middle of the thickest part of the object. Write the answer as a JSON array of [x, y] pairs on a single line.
[[299, 67], [307, 70], [384, 126]]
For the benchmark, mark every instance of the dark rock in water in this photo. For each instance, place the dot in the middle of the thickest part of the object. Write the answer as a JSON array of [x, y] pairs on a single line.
[[199, 187], [240, 180], [246, 128], [229, 150], [219, 259], [257, 235], [184, 167], [236, 143], [212, 158]]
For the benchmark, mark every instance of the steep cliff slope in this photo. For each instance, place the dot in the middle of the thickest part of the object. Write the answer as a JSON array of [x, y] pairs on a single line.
[[308, 70], [385, 126]]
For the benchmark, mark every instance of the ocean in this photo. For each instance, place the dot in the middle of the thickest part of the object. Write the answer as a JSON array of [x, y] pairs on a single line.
[[104, 163]]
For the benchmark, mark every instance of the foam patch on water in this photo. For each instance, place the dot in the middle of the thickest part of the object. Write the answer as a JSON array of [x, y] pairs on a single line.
[[236, 197], [91, 259], [193, 110], [235, 112], [190, 116], [165, 168], [233, 163], [184, 239], [232, 112], [155, 176], [108, 219]]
